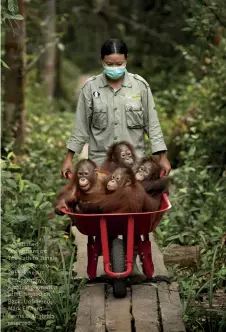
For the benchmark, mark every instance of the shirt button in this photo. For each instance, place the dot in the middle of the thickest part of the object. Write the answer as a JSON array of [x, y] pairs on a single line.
[[115, 109], [116, 137], [116, 123]]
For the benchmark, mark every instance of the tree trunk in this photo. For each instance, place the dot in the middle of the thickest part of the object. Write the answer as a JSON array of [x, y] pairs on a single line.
[[15, 51], [47, 62], [58, 92]]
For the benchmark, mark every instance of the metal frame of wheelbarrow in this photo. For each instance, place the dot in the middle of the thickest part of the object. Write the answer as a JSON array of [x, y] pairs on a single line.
[[134, 226]]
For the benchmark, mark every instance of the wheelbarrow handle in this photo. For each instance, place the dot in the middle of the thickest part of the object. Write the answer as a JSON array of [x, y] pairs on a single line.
[[65, 211], [68, 174], [162, 173]]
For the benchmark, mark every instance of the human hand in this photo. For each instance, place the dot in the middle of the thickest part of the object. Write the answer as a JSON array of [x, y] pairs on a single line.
[[60, 206], [67, 165], [164, 163]]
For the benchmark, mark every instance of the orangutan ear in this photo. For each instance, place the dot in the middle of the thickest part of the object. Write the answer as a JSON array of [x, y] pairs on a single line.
[[96, 170]]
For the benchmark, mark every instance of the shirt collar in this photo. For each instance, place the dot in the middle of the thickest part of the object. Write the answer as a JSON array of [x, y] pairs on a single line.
[[104, 82]]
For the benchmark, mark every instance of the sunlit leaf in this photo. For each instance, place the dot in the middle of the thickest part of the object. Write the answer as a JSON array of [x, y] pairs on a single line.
[[45, 205], [14, 166], [29, 315], [50, 322], [18, 17], [13, 6], [39, 197], [21, 185], [9, 155], [209, 194], [218, 229]]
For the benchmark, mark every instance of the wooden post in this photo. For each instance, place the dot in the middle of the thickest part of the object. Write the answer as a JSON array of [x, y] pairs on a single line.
[[182, 255]]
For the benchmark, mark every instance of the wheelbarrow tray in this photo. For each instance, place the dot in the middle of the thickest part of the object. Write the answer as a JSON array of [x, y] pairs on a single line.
[[100, 227], [117, 223]]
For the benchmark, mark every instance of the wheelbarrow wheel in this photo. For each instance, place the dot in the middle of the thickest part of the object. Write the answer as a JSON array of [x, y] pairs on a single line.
[[118, 265]]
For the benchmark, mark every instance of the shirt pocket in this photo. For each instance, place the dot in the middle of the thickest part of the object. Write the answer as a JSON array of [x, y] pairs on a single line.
[[100, 117], [134, 114]]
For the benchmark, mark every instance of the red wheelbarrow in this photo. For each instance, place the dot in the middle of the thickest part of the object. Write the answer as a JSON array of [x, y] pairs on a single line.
[[103, 231]]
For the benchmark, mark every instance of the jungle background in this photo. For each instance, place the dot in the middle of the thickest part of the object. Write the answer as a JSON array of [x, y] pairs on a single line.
[[49, 48]]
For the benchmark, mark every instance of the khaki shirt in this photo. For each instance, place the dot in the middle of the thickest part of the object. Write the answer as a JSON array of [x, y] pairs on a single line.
[[105, 116]]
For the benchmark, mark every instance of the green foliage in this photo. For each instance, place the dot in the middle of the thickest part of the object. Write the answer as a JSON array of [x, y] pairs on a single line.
[[38, 289], [12, 6], [9, 10], [70, 74], [198, 210], [194, 110], [196, 289]]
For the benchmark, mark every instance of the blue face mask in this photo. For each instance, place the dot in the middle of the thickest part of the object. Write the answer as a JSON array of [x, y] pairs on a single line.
[[114, 72]]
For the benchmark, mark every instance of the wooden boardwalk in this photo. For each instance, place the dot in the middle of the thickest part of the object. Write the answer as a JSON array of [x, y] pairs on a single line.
[[148, 306]]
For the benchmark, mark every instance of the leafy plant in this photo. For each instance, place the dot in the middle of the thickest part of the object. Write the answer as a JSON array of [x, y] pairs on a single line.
[[38, 289], [9, 11], [195, 127]]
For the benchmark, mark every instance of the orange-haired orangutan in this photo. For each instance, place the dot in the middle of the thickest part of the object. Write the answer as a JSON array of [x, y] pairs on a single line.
[[119, 155], [86, 184], [148, 174], [125, 194]]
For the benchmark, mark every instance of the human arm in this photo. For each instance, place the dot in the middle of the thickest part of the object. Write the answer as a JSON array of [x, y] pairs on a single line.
[[164, 162], [67, 163], [153, 129], [151, 122], [80, 132]]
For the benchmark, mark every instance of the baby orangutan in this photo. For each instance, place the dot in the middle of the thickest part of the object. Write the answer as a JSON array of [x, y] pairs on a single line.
[[86, 184], [119, 155], [125, 195], [148, 174]]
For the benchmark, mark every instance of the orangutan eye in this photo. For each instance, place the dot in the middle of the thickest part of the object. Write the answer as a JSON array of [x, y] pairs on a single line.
[[86, 173], [113, 177], [117, 178], [129, 154], [79, 173], [123, 154], [141, 168]]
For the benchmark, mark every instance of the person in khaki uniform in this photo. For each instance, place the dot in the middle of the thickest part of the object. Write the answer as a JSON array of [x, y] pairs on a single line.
[[112, 107]]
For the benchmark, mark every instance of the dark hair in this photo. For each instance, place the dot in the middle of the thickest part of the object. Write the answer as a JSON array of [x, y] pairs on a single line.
[[114, 46]]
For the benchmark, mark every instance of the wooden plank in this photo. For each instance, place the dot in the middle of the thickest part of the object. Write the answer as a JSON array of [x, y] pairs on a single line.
[[182, 255], [145, 308], [91, 310], [80, 266], [117, 312], [170, 308], [157, 258]]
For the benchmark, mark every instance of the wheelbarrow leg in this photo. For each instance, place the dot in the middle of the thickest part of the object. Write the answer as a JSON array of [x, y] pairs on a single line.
[[106, 253], [144, 248], [93, 251]]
